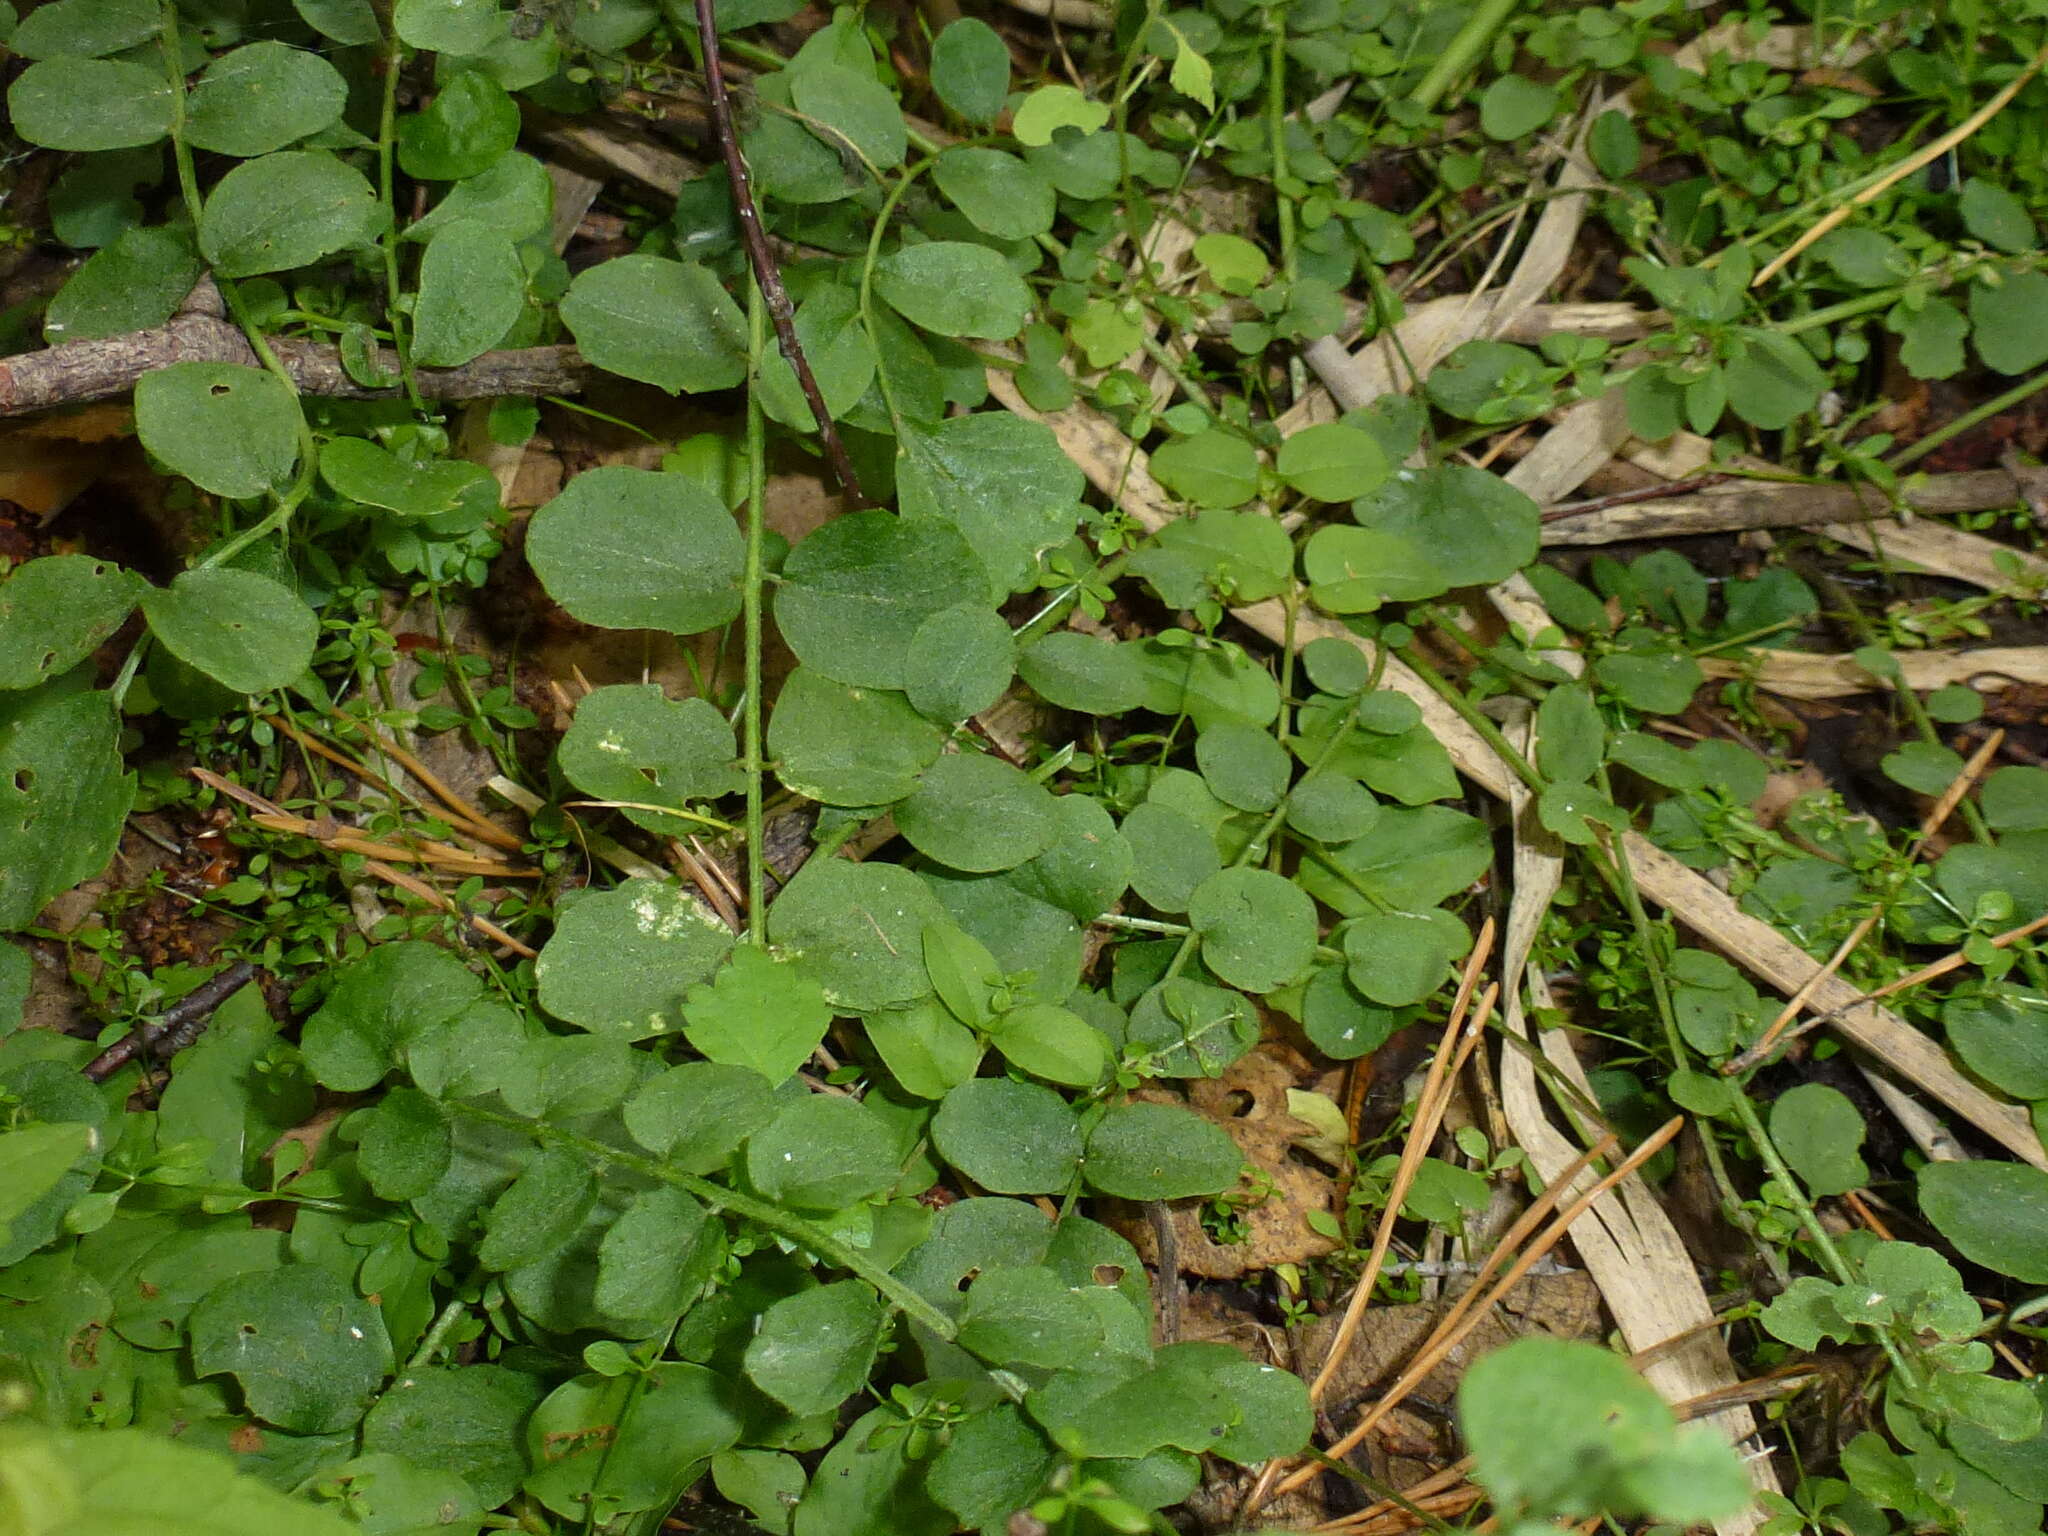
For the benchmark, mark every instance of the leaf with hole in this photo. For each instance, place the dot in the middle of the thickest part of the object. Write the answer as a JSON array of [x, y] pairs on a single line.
[[54, 612], [630, 744], [306, 1349], [229, 429]]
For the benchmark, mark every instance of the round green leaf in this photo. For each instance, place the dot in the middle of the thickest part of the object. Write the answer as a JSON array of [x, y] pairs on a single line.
[[842, 745], [859, 929], [63, 798], [1465, 526], [1243, 765], [89, 104], [1087, 868], [513, 196], [1399, 958], [86, 29], [1001, 195], [812, 1351], [971, 69], [1994, 216], [1341, 1023], [1819, 1131], [136, 281], [1052, 1043], [850, 108], [1171, 855], [654, 1260], [634, 549], [2009, 321], [665, 323], [245, 631], [2002, 1037], [406, 1147], [472, 290], [1332, 462], [1329, 808], [822, 1153], [619, 961], [55, 611], [1029, 1316], [1996, 1214], [629, 743], [954, 289], [1159, 1152], [468, 1419], [841, 355], [1084, 672], [541, 1211], [1010, 1138], [286, 210], [471, 122], [457, 27], [228, 429], [306, 1349], [2013, 799], [1514, 107], [1773, 380], [960, 662], [854, 593], [1258, 929], [260, 98], [978, 813], [697, 1113], [1004, 482], [1211, 468]]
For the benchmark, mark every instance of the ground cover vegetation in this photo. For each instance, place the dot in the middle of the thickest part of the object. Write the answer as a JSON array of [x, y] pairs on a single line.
[[1120, 853]]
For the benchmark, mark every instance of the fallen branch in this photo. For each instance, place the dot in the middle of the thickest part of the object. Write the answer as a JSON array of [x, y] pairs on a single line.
[[1812, 675], [84, 371], [173, 1029]]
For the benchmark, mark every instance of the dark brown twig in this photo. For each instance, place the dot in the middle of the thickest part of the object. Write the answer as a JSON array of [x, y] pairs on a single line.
[[173, 1029], [84, 371], [1627, 498], [762, 259]]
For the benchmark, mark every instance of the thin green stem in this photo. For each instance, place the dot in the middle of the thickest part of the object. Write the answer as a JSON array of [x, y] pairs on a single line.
[[757, 852], [1914, 452], [1276, 134], [1451, 695], [387, 148], [1462, 51], [719, 1197], [867, 276]]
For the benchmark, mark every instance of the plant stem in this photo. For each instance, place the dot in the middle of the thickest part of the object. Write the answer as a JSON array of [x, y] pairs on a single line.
[[1912, 453], [1464, 48], [1451, 695], [763, 260], [1276, 134], [387, 148], [750, 725], [760, 1212]]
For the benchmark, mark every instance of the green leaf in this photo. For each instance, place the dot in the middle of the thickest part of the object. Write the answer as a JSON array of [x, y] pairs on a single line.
[[2013, 799], [814, 1350], [406, 1147], [995, 1463], [1233, 263], [666, 323], [137, 281], [1818, 1131], [539, 1213], [977, 813], [1329, 808], [696, 1114], [1258, 929], [655, 1259], [1996, 217], [351, 23], [1409, 860], [854, 593], [1773, 380], [512, 196], [620, 961], [470, 123], [1053, 107], [227, 428], [1171, 855], [472, 290], [262, 97], [1658, 682], [1930, 338], [1207, 684], [970, 70], [1244, 557], [1108, 330], [1001, 195], [2010, 321], [1996, 1214], [1569, 735], [87, 104], [852, 108], [1244, 766], [841, 355], [1606, 1435], [960, 662], [55, 612], [859, 929], [1028, 1316], [34, 1160], [1010, 1138], [767, 1484], [2002, 1037], [245, 631], [1053, 1043], [1865, 257], [926, 1050], [1159, 1152], [307, 1351], [629, 743], [1087, 869], [757, 1012], [822, 1153], [1088, 673], [632, 549], [954, 289], [842, 745], [1004, 482], [1212, 468], [1398, 958], [468, 1419], [867, 1485], [1466, 526], [86, 29], [1332, 462], [1340, 1022], [286, 210], [1274, 1416], [361, 471], [1515, 106], [1615, 146], [603, 1446], [394, 995], [456, 27]]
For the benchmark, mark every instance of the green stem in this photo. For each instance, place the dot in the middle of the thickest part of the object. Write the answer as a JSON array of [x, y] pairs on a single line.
[[867, 277], [387, 147], [719, 1197], [1996, 405], [757, 853], [1463, 50], [1276, 134], [1443, 688]]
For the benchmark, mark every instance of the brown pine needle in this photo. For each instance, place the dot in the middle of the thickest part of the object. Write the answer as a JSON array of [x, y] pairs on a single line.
[[477, 824], [434, 898]]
